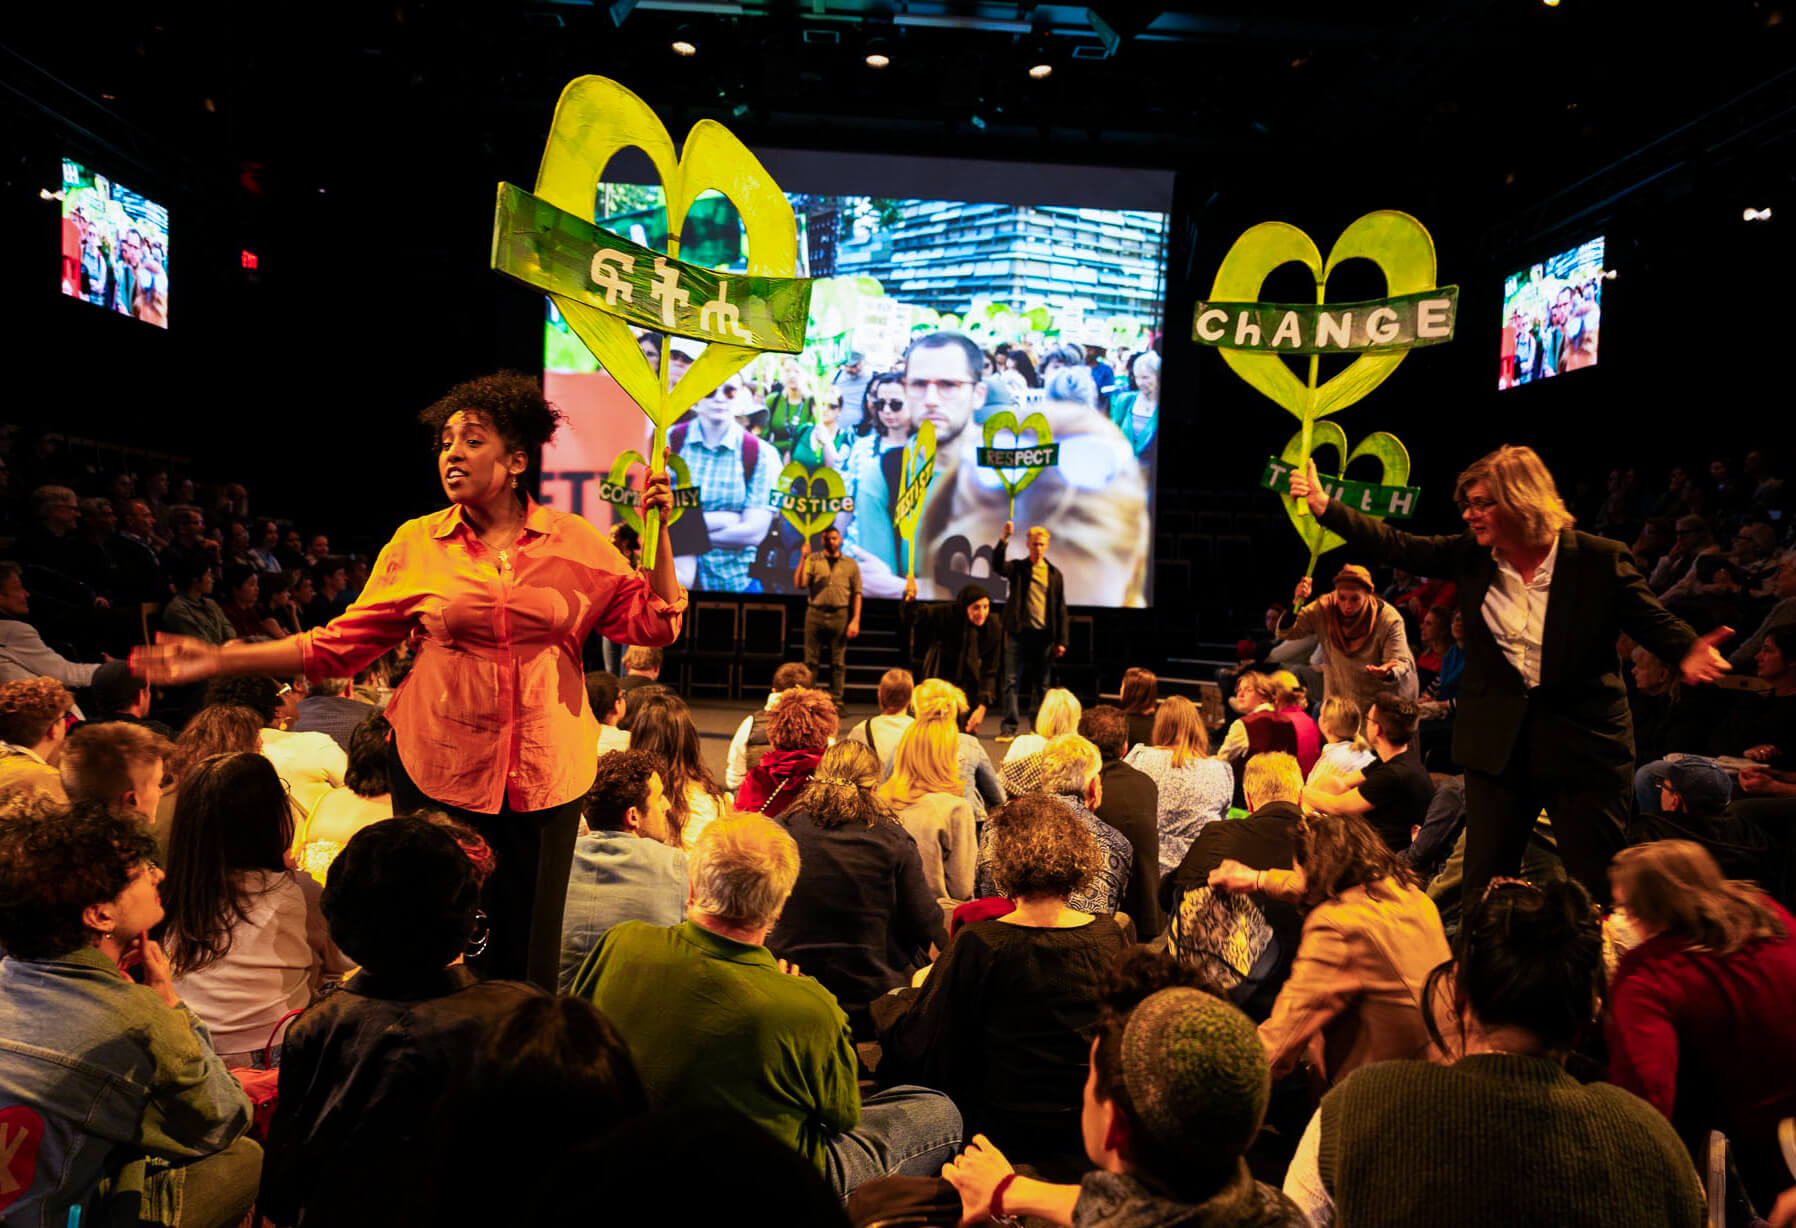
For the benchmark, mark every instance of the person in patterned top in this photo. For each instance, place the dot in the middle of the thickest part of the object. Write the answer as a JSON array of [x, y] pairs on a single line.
[[734, 473], [1070, 767]]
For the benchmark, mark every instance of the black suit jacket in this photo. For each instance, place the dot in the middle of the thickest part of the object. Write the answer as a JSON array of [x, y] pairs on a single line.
[[1131, 804], [1018, 573], [1581, 705]]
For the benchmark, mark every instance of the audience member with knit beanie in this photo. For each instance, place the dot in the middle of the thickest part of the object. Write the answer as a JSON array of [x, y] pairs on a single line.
[[1176, 1090], [1504, 1135]]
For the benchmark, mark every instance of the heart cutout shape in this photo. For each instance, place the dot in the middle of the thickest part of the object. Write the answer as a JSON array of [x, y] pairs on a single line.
[[1037, 423], [917, 471], [798, 483], [629, 510], [595, 118], [1392, 456], [1394, 241]]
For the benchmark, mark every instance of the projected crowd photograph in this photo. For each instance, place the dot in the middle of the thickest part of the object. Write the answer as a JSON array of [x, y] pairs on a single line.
[[1552, 316], [114, 246], [989, 320]]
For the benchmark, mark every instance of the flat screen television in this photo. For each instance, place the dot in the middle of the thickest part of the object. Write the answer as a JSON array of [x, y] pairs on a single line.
[[114, 246], [1553, 316], [1043, 288]]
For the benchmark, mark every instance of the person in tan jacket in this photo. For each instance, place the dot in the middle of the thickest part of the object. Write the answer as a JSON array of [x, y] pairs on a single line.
[[1370, 939]]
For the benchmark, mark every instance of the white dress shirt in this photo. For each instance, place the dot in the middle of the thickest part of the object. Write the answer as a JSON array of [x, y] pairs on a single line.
[[1516, 613]]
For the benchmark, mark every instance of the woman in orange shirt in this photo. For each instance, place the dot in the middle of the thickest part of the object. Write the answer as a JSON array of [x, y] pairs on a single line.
[[492, 725]]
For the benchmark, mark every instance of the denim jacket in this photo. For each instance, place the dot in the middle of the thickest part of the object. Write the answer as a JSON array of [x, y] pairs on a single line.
[[102, 1086]]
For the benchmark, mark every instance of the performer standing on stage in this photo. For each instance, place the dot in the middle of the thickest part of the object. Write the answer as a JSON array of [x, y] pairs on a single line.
[[832, 616], [1543, 713], [1035, 624], [492, 725]]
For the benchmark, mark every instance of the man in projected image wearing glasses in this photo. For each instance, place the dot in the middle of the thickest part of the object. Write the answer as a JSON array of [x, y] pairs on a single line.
[[734, 473], [1543, 713]]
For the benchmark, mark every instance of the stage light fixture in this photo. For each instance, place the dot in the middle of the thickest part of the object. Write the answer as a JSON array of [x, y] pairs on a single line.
[[1749, 214], [1041, 72], [879, 53], [1552, 4], [683, 48]]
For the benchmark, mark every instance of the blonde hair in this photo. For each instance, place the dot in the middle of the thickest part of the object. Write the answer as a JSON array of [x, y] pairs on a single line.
[[742, 870], [1341, 721], [1060, 713], [1677, 885], [1271, 777], [1523, 487], [1069, 763], [925, 762], [1179, 728], [1287, 692], [939, 699]]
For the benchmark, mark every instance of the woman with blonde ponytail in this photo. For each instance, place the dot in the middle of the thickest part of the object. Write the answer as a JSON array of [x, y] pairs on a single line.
[[861, 917], [926, 791]]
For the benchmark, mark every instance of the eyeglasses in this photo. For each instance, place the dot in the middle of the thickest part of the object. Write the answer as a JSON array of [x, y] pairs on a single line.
[[888, 404], [1481, 506], [920, 387]]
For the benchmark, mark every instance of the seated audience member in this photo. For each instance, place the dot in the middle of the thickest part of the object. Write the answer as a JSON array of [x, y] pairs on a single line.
[[608, 709], [1345, 752], [33, 729], [1392, 793], [192, 611], [800, 728], [963, 645], [1059, 713], [1243, 947], [1758, 725], [862, 915], [1783, 614], [642, 667], [1364, 646], [245, 934], [1702, 1017], [928, 798], [1291, 701], [1194, 789], [1253, 694], [119, 695], [115, 764], [1175, 1092], [241, 603], [1003, 1020], [1503, 1135], [366, 796], [1140, 698], [23, 653], [219, 729], [362, 1070], [943, 700], [114, 1097], [751, 741], [1370, 938], [1667, 716], [714, 1021], [559, 1077], [662, 726], [1691, 539], [1070, 775], [311, 764], [629, 867], [335, 706], [881, 733], [284, 594], [1436, 642], [1130, 802], [1439, 839]]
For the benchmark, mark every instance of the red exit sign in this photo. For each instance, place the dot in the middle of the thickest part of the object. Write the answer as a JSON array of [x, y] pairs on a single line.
[[249, 259]]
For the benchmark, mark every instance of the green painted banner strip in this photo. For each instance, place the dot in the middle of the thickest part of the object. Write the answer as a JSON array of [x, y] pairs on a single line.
[[912, 495], [553, 251], [1403, 323], [1043, 457], [1396, 502]]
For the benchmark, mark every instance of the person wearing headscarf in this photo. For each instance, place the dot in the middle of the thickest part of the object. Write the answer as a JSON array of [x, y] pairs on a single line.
[[963, 643], [1364, 648]]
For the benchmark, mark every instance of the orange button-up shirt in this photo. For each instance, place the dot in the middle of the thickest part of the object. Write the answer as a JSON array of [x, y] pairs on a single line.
[[494, 710]]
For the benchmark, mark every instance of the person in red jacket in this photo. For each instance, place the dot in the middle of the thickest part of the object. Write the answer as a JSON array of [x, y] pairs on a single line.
[[1702, 1018], [800, 728]]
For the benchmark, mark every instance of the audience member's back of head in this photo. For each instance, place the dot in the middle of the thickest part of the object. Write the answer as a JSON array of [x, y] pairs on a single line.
[[1059, 713], [1341, 720], [601, 692], [367, 773], [402, 898], [1068, 765], [1396, 717], [641, 660], [791, 675], [895, 688], [216, 729], [803, 720], [101, 762], [1106, 728], [259, 693], [1140, 691], [1272, 777], [115, 688], [742, 870], [1340, 852]]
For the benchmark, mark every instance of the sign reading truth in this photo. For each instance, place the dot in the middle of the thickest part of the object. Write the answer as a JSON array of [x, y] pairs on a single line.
[[1405, 322], [1369, 497]]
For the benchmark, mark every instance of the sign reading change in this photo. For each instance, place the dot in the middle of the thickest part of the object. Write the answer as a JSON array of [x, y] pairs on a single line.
[[1405, 322]]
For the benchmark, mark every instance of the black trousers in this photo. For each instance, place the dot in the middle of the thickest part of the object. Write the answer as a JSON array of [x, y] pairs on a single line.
[[1028, 673], [533, 851], [1586, 797], [826, 632]]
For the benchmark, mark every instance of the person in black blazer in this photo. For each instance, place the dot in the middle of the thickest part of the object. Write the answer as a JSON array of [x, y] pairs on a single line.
[[1035, 623], [1129, 802], [1543, 712]]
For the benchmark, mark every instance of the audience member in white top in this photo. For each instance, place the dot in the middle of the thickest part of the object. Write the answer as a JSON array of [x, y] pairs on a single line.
[[750, 742], [23, 653], [1346, 752], [366, 797], [245, 936], [608, 708], [1059, 713], [1194, 788], [311, 764], [881, 733], [1253, 693]]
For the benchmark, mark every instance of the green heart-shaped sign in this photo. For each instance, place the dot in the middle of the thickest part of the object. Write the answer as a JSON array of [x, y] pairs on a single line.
[[1396, 242], [917, 471], [1392, 456], [594, 120], [628, 502], [801, 505], [1004, 420]]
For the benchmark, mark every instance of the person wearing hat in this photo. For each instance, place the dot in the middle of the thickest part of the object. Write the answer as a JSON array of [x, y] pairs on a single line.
[[1177, 1088], [1543, 713], [851, 381], [1364, 647]]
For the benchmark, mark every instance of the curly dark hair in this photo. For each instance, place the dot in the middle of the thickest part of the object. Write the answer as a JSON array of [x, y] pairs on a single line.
[[803, 719], [401, 897], [620, 785], [29, 706], [1344, 851], [259, 693], [511, 401], [1039, 848], [56, 862]]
